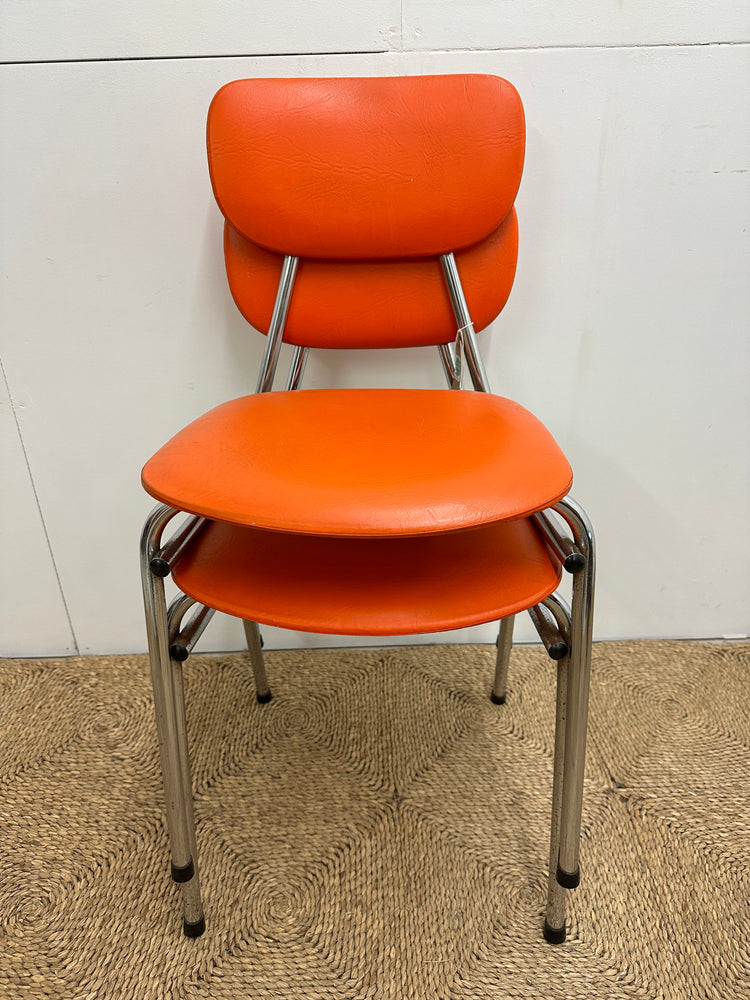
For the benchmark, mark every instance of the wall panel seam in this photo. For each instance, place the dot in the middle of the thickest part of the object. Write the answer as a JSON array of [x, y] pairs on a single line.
[[39, 509], [385, 52], [193, 57], [579, 47]]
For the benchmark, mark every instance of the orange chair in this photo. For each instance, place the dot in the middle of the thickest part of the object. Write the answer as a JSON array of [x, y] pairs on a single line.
[[351, 207]]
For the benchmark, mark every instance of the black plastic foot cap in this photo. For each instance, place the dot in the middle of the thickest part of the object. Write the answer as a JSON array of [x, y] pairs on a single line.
[[159, 567], [558, 650], [178, 652], [555, 935], [568, 880], [183, 873], [263, 699], [497, 699], [575, 562], [193, 930]]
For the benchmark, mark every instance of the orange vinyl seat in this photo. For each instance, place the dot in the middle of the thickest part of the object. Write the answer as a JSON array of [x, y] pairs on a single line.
[[374, 462], [368, 213], [346, 586]]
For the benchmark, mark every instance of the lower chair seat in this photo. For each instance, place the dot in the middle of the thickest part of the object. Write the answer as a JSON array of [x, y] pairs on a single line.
[[383, 586], [361, 462]]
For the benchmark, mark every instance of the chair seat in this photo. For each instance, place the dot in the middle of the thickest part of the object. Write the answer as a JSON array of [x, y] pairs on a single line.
[[370, 586], [361, 462]]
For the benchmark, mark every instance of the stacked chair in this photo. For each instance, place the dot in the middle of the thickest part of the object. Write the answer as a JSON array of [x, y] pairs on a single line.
[[368, 213]]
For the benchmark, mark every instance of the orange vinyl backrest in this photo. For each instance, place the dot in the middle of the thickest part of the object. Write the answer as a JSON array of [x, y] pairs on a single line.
[[368, 181], [392, 303]]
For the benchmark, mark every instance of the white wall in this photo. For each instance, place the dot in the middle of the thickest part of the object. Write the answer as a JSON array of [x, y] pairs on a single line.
[[626, 331]]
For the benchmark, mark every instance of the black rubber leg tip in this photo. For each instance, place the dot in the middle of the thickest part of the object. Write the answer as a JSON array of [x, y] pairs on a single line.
[[568, 880], [497, 699], [183, 873], [193, 930], [554, 935], [263, 699]]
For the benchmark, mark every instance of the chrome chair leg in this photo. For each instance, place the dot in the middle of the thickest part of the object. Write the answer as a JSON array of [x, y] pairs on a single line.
[[193, 920], [170, 724], [504, 647], [554, 921], [552, 620], [579, 667], [255, 648]]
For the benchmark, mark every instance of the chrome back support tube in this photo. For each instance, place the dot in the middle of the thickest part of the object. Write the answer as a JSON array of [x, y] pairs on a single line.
[[276, 327], [297, 367], [466, 332], [451, 365]]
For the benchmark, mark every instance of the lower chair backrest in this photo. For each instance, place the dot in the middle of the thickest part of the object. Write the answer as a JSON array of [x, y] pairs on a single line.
[[368, 181]]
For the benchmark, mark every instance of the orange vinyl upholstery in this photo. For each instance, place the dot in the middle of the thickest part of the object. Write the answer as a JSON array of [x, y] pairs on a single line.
[[361, 462], [347, 586], [372, 168], [388, 303]]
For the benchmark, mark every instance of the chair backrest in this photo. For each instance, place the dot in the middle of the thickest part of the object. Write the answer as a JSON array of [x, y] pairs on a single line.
[[368, 181]]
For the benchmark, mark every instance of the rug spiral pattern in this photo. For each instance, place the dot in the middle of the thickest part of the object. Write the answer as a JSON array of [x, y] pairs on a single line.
[[379, 829]]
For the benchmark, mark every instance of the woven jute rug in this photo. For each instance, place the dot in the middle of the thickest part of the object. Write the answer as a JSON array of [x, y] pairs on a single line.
[[379, 829]]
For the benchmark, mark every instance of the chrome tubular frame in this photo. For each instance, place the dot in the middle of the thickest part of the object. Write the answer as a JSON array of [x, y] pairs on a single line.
[[276, 328], [175, 613], [255, 648], [504, 647], [561, 547], [297, 367], [466, 332], [554, 923], [193, 923], [466, 344], [169, 706], [447, 354], [162, 562], [552, 619], [577, 692], [182, 639], [560, 611], [554, 920], [546, 627], [565, 632]]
